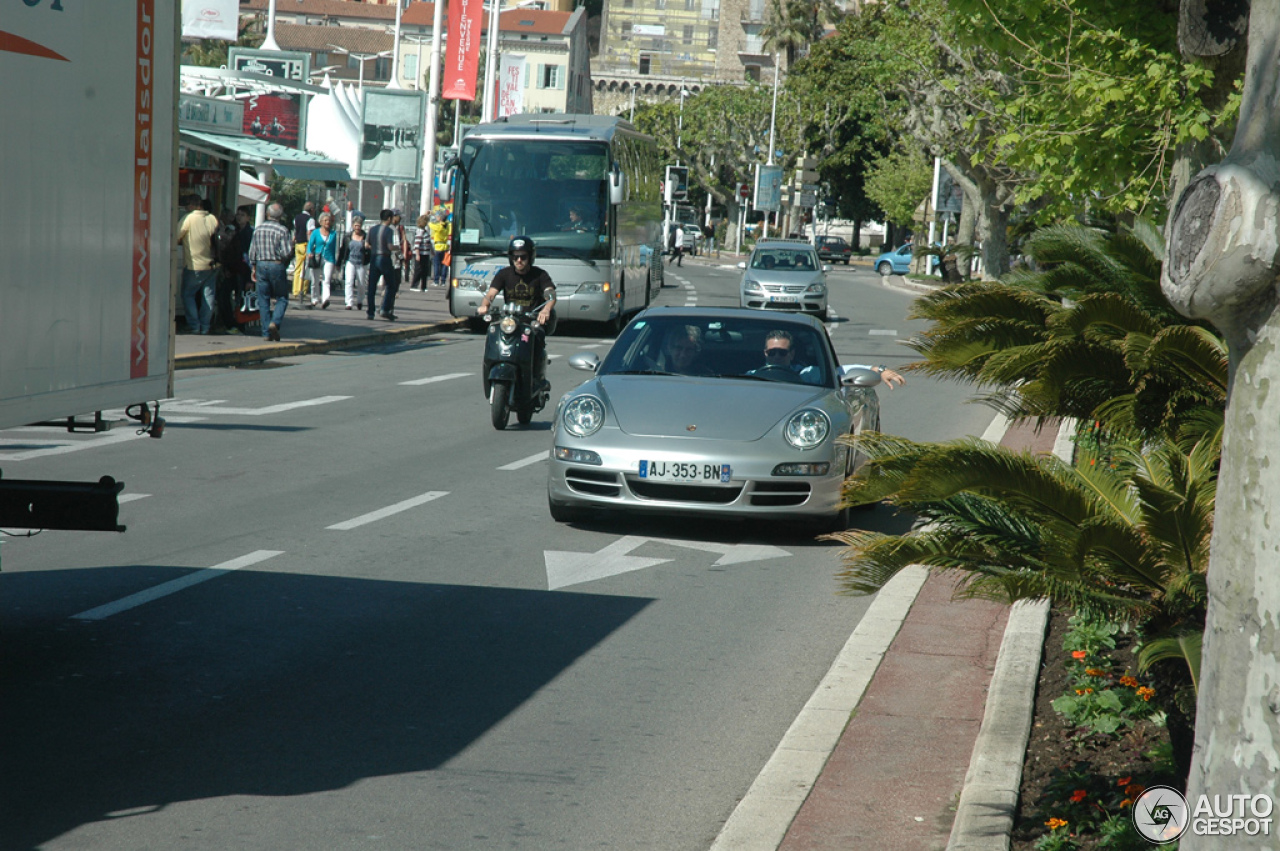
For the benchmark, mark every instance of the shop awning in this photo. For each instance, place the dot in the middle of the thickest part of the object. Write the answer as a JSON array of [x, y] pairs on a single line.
[[287, 162]]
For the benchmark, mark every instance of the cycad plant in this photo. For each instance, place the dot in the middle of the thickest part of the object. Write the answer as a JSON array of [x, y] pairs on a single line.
[[1123, 531], [1089, 335]]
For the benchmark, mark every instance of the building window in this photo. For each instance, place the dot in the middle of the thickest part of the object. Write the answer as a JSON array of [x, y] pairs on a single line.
[[644, 63], [411, 66], [550, 77], [687, 35], [711, 38]]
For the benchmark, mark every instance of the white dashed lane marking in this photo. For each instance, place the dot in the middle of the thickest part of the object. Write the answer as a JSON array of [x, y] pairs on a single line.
[[167, 588], [372, 516]]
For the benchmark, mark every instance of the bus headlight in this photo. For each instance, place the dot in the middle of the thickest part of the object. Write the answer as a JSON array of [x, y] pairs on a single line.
[[593, 287]]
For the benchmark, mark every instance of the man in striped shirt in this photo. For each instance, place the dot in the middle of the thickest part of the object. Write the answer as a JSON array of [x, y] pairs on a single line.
[[269, 254]]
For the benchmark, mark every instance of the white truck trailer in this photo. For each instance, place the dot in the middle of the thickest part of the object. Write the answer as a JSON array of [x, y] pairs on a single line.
[[87, 208]]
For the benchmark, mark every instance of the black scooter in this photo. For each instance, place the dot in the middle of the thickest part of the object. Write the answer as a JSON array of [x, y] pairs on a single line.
[[515, 365]]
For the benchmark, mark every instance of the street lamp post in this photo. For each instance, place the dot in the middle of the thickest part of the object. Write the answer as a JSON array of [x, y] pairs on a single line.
[[361, 58], [773, 113], [433, 97]]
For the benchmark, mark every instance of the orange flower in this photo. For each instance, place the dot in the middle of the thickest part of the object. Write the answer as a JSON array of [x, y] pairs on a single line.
[[1128, 681], [1134, 790], [1078, 795], [1055, 823], [1124, 781], [1084, 691], [1146, 693], [1078, 655], [1095, 672], [1127, 802]]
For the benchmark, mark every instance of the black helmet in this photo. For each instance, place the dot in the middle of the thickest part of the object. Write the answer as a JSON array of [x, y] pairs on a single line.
[[521, 243]]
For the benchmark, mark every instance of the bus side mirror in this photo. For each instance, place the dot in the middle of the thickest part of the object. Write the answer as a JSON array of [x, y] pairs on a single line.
[[446, 184], [617, 187]]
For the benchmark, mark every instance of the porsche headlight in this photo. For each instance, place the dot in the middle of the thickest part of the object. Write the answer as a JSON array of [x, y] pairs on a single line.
[[807, 429], [583, 416]]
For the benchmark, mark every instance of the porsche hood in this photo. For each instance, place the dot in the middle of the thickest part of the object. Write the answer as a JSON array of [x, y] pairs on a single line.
[[716, 409]]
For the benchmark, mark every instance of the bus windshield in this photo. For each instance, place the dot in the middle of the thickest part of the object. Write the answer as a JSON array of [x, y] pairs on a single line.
[[552, 190]]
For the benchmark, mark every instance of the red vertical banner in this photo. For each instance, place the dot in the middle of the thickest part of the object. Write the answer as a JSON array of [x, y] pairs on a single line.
[[144, 105], [463, 59]]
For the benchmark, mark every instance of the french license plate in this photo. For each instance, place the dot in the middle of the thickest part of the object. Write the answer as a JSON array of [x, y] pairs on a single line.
[[787, 299], [684, 471]]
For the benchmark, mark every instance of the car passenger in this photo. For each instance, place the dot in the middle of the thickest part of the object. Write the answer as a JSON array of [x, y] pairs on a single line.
[[681, 347]]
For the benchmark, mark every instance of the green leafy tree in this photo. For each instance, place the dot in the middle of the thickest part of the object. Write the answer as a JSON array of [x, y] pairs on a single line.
[[723, 135], [898, 183]]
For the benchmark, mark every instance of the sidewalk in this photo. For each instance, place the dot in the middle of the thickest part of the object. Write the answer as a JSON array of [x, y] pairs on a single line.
[[312, 330]]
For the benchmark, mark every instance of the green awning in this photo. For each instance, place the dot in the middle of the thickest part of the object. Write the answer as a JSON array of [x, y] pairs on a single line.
[[287, 162]]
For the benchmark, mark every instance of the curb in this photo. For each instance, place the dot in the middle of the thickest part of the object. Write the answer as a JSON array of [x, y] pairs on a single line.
[[258, 353], [989, 798]]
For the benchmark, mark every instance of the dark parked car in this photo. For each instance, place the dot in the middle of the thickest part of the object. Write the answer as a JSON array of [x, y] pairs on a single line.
[[834, 249]]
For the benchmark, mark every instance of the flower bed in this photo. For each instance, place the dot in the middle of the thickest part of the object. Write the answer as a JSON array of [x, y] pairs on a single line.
[[1088, 758]]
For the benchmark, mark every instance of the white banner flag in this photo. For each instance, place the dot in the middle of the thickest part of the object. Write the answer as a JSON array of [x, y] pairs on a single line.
[[211, 19], [511, 85]]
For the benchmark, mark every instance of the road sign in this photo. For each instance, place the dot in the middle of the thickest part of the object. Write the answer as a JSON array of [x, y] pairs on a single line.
[[744, 190], [768, 187]]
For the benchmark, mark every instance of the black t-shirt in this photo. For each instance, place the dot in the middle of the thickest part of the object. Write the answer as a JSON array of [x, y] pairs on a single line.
[[525, 290]]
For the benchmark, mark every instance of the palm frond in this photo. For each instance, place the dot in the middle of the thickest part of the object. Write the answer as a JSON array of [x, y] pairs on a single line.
[[1184, 647]]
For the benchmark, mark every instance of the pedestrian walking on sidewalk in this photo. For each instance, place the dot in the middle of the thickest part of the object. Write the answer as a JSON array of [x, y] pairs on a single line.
[[322, 257], [421, 255], [355, 260], [382, 267], [441, 235], [303, 224], [199, 274], [269, 253]]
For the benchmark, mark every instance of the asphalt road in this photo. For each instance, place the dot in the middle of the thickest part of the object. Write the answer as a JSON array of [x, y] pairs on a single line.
[[342, 618]]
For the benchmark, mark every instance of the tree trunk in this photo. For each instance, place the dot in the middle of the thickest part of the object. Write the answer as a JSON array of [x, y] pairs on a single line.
[[1222, 261]]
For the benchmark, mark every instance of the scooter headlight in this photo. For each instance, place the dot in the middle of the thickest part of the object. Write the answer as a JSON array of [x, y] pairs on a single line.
[[583, 416], [508, 325], [807, 428]]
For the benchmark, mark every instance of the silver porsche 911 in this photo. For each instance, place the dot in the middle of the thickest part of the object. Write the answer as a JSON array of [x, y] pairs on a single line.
[[713, 410]]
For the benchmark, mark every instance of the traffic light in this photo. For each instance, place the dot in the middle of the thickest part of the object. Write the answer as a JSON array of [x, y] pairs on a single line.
[[676, 185]]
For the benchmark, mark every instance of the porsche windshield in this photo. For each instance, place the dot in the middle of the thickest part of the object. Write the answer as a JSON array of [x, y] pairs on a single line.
[[716, 347], [551, 190]]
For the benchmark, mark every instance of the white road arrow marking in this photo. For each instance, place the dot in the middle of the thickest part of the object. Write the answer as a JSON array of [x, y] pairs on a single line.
[[194, 406], [566, 568], [729, 553]]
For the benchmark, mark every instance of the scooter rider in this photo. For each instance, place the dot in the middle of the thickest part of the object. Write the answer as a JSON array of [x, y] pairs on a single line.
[[527, 285]]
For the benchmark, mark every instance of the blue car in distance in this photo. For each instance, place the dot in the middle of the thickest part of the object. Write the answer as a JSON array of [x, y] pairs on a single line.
[[896, 262]]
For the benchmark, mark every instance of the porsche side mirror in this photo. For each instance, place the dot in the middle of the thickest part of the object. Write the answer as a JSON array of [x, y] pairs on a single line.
[[585, 361]]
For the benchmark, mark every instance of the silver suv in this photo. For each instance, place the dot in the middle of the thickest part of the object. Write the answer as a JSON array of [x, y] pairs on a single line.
[[785, 274]]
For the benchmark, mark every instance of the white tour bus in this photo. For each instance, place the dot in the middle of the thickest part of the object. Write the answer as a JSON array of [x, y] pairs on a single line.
[[585, 188]]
